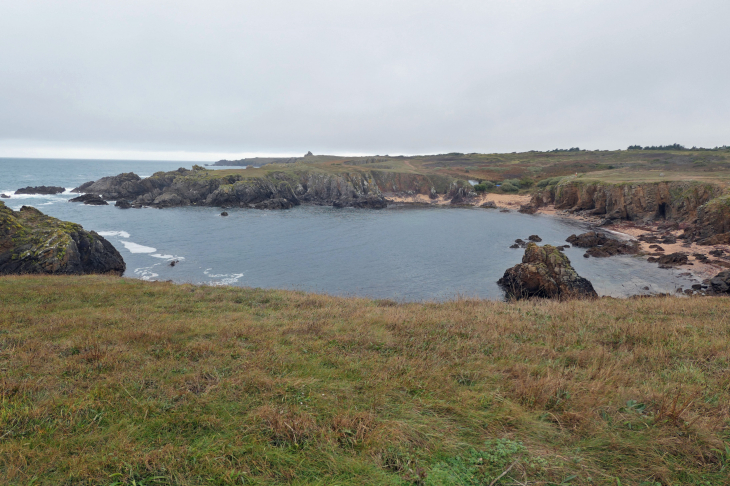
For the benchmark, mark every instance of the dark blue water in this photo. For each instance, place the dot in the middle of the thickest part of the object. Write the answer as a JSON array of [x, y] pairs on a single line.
[[399, 253]]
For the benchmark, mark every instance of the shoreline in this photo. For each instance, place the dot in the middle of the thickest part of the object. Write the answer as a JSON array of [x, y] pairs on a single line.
[[701, 271]]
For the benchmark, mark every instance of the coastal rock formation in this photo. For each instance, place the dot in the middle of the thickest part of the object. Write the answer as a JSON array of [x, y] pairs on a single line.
[[31, 242], [545, 272], [4, 196], [45, 190], [671, 260], [600, 245], [90, 199], [720, 283], [630, 201], [123, 204], [272, 190]]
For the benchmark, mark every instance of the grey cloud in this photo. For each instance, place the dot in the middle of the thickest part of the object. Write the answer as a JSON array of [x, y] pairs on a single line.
[[368, 77]]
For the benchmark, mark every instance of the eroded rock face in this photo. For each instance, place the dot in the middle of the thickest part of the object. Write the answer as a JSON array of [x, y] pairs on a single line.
[[31, 242], [41, 190], [545, 272], [600, 245]]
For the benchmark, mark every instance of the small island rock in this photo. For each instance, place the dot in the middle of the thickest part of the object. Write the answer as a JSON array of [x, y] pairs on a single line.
[[545, 272]]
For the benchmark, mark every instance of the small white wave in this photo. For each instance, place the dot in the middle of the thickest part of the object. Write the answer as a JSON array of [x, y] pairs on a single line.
[[122, 234], [137, 248], [146, 273], [167, 257], [225, 278]]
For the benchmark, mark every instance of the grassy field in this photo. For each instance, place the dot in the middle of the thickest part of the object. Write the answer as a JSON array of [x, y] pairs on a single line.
[[607, 166], [115, 381]]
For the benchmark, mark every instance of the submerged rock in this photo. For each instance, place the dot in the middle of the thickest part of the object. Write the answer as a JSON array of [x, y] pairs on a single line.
[[31, 242], [545, 272], [46, 190], [90, 199]]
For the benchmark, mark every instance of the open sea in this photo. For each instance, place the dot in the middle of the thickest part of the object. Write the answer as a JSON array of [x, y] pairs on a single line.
[[400, 253]]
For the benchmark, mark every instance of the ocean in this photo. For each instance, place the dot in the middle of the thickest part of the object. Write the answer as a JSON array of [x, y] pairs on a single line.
[[400, 253]]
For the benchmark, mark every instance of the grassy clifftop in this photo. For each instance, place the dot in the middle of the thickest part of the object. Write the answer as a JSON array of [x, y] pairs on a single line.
[[116, 381]]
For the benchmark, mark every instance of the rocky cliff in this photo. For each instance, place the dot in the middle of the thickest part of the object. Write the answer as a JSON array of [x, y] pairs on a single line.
[[31, 242], [274, 190], [677, 201]]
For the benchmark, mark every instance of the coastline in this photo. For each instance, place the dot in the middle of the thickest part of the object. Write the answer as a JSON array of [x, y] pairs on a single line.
[[624, 230]]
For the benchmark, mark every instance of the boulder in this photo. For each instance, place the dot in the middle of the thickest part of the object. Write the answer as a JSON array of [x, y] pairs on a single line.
[[534, 238], [673, 259], [41, 190], [90, 199], [545, 272], [720, 283], [31, 242], [123, 204], [224, 213], [489, 205], [600, 245], [528, 209]]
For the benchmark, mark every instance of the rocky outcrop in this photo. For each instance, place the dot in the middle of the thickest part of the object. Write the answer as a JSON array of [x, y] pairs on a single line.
[[545, 272], [273, 190], [720, 283], [600, 245], [630, 201], [31, 242], [90, 199], [123, 204], [46, 190]]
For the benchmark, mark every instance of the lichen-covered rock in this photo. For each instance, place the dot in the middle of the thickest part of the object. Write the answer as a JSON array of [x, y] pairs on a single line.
[[31, 242], [545, 272]]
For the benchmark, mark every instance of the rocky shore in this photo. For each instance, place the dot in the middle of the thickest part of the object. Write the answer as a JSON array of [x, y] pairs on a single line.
[[274, 190], [32, 243]]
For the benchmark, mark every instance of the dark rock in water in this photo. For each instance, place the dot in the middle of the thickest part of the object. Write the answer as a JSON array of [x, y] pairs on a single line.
[[545, 272], [31, 242], [696, 286], [123, 204], [489, 205], [4, 196], [174, 262], [41, 190], [720, 283], [505, 210], [515, 246], [371, 201], [520, 242], [91, 199], [673, 259], [534, 238], [224, 213], [527, 209], [600, 245]]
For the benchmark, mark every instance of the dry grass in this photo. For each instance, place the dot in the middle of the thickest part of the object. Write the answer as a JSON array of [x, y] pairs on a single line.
[[116, 381]]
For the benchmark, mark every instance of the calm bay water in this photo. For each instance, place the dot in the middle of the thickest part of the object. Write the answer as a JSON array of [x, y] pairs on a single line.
[[400, 253]]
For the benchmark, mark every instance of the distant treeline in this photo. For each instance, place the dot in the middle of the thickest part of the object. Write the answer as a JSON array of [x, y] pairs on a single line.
[[674, 146]]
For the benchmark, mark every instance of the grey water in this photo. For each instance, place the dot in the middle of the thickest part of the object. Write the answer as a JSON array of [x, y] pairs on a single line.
[[400, 253]]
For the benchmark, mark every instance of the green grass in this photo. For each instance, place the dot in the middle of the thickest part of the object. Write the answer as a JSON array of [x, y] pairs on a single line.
[[115, 381]]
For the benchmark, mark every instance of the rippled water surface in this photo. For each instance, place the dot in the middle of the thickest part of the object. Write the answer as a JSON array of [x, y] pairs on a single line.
[[399, 253]]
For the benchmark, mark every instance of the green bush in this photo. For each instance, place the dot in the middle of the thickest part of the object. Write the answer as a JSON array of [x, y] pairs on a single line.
[[526, 182], [509, 187], [484, 186], [549, 182]]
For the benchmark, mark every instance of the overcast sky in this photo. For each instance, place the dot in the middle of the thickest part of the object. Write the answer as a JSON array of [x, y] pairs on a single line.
[[202, 80]]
